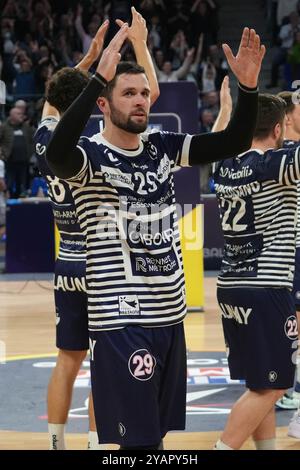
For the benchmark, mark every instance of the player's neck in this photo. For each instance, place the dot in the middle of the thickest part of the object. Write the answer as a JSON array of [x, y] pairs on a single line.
[[263, 145], [120, 138], [291, 134]]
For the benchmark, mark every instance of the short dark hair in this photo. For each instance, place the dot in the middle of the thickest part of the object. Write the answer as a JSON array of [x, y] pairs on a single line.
[[271, 111], [64, 87], [287, 96], [130, 68]]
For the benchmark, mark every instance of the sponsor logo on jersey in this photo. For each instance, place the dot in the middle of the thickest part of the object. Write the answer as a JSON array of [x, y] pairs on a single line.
[[141, 265], [272, 376], [234, 175], [154, 265], [40, 149], [70, 284], [61, 214], [140, 167], [239, 314], [164, 168], [121, 429], [116, 177], [113, 159], [151, 149], [129, 305], [92, 344], [152, 239]]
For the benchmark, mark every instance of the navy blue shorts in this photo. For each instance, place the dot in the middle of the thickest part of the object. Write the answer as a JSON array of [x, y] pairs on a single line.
[[71, 305], [296, 286], [138, 383], [260, 330]]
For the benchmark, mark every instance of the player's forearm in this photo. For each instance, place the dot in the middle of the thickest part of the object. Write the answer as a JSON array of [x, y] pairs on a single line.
[[144, 59], [63, 157], [222, 120], [235, 139], [85, 63]]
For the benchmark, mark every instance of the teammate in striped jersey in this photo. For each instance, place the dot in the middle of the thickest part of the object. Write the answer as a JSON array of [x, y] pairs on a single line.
[[292, 138], [69, 279], [257, 196], [122, 184]]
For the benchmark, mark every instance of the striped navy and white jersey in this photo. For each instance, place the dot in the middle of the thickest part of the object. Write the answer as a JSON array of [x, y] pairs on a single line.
[[291, 144], [257, 196], [125, 203], [72, 242]]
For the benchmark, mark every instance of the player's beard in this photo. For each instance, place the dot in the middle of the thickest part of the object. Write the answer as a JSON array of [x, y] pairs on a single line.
[[126, 123]]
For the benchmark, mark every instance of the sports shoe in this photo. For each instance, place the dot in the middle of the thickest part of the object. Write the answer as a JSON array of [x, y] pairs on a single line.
[[288, 402], [294, 426]]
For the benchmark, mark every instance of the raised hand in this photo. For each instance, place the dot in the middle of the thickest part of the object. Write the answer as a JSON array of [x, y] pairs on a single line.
[[95, 48], [246, 64], [225, 96], [137, 34], [111, 55], [138, 29], [225, 107], [79, 9], [190, 53]]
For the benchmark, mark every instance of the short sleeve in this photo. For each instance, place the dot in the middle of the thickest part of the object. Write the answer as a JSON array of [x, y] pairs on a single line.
[[281, 165], [176, 145]]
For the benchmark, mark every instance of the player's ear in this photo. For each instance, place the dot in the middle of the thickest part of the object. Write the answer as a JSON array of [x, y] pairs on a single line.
[[277, 130], [102, 104]]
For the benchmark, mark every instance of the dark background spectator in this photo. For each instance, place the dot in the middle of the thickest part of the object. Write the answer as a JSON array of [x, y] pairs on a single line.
[[19, 134]]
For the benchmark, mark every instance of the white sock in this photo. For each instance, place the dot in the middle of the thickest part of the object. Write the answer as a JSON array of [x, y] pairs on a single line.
[[93, 443], [266, 444], [57, 436], [219, 445]]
